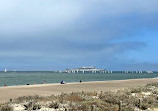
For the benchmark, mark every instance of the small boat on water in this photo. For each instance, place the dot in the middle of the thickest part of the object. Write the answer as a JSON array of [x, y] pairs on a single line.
[[5, 70]]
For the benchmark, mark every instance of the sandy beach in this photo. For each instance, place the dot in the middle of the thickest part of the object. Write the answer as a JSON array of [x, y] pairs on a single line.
[[13, 92]]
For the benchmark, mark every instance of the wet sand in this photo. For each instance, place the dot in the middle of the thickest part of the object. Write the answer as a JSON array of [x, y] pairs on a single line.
[[13, 92]]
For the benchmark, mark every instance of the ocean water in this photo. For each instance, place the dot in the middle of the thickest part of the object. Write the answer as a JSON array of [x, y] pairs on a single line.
[[23, 78]]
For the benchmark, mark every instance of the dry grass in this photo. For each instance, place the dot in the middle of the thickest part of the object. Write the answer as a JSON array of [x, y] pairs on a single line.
[[54, 105], [152, 84], [93, 101], [6, 108], [32, 106]]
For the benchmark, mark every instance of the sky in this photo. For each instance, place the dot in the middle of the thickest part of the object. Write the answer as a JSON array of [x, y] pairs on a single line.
[[61, 34]]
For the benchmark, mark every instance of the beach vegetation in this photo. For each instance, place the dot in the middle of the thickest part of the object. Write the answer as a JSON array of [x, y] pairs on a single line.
[[155, 84], [29, 98], [140, 98], [54, 105], [6, 107], [32, 106]]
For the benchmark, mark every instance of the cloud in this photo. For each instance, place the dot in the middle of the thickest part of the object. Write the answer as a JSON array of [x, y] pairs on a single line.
[[67, 31]]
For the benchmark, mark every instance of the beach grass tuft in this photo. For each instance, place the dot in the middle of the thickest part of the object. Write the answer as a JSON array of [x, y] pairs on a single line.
[[6, 108]]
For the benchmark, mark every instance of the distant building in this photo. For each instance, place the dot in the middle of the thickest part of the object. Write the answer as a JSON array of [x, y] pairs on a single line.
[[85, 69]]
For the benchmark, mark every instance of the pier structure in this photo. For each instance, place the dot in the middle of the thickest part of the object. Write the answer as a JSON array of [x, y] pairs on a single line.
[[149, 72], [139, 72], [86, 70]]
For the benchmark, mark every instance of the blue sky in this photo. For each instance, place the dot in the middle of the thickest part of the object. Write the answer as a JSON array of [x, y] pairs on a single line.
[[60, 34]]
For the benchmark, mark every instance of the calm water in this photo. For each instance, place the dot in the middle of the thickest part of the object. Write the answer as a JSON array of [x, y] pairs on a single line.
[[22, 78]]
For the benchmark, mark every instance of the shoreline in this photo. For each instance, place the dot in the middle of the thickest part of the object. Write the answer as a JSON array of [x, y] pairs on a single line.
[[13, 92], [49, 84]]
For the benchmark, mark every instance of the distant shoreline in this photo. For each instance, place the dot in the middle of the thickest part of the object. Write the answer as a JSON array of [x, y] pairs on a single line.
[[24, 78], [49, 84], [73, 73]]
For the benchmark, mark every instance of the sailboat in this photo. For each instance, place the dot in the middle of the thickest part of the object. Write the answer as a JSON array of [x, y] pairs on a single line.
[[5, 70]]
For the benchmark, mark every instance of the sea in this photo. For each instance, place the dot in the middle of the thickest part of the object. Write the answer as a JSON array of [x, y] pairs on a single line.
[[40, 77]]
